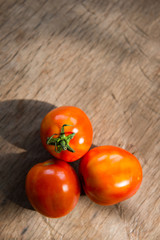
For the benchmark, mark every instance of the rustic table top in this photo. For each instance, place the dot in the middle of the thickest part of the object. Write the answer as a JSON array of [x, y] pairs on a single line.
[[101, 56]]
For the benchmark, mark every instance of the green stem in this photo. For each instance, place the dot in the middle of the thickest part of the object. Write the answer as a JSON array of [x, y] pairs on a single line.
[[61, 142]]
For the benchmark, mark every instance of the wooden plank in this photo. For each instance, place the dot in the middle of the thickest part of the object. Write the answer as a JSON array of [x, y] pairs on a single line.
[[101, 56]]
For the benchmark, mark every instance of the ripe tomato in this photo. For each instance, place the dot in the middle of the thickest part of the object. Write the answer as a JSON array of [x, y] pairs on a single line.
[[53, 188], [110, 174], [66, 132]]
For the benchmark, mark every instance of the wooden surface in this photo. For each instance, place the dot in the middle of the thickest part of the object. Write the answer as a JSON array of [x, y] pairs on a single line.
[[101, 56]]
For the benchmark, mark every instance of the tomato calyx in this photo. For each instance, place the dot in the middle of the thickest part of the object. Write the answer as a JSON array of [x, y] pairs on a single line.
[[61, 142]]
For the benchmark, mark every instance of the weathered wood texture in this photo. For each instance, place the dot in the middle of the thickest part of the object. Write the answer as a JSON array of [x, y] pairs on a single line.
[[101, 56]]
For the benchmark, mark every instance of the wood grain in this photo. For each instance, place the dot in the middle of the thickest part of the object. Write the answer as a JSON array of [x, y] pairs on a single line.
[[101, 56]]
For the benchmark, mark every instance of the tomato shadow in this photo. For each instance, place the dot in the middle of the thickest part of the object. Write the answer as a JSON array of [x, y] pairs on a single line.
[[21, 146]]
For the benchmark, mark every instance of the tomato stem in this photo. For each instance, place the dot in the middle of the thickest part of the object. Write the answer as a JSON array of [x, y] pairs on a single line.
[[61, 142]]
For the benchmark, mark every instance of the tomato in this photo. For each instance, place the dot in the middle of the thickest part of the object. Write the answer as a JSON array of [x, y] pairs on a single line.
[[53, 188], [66, 132], [110, 174]]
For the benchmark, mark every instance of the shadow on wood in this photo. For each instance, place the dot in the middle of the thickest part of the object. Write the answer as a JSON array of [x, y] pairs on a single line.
[[20, 129], [77, 21]]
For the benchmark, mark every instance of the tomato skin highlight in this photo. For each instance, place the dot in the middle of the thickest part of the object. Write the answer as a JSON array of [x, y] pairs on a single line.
[[110, 174], [53, 188], [81, 126]]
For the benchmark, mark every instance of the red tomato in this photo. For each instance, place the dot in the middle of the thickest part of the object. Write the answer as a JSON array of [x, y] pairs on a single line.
[[66, 132], [53, 188], [110, 174]]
